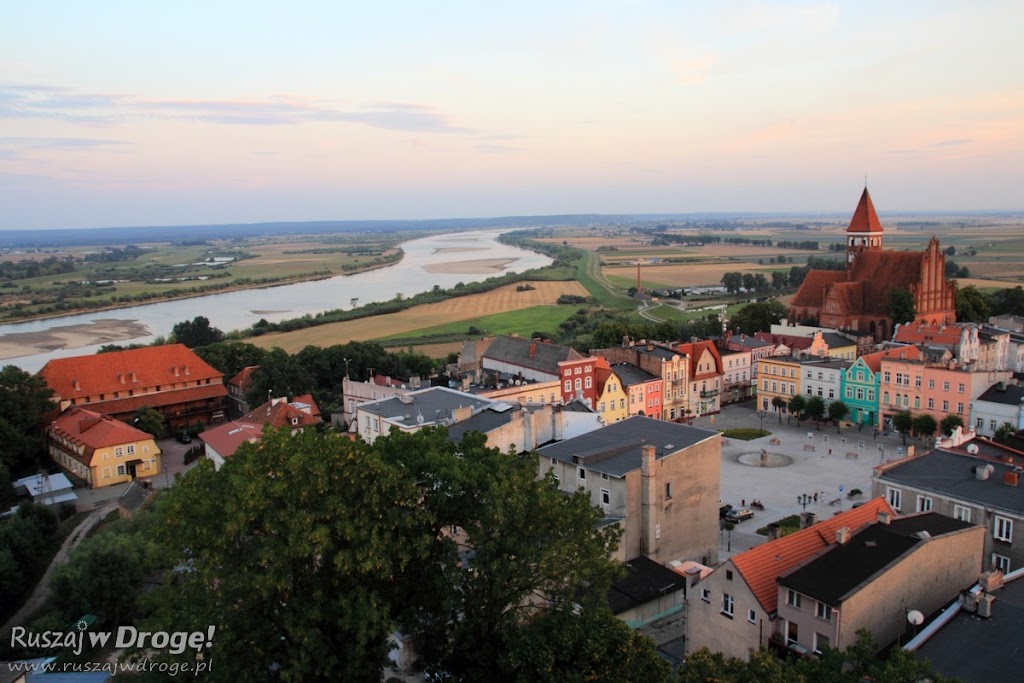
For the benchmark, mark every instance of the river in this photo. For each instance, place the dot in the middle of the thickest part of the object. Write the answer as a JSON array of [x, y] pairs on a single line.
[[443, 260]]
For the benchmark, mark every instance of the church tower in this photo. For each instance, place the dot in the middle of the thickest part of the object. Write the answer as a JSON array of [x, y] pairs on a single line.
[[865, 231]]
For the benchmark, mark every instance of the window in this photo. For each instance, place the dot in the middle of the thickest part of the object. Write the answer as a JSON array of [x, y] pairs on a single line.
[[931, 384], [931, 404], [831, 393], [960, 388], [823, 611], [849, 393], [820, 643], [791, 633], [568, 386], [885, 398], [945, 406], [727, 605], [118, 452], [917, 402], [1003, 529], [793, 598], [728, 575], [945, 386], [668, 490], [577, 370], [917, 381], [886, 377], [924, 504], [810, 391], [587, 382], [1001, 562], [579, 383], [106, 472], [131, 449], [962, 513], [606, 498], [751, 616], [582, 476], [120, 470], [979, 423], [960, 408], [895, 498], [705, 595]]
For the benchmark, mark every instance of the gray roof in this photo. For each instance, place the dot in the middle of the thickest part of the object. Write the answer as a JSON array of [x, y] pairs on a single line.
[[834, 363], [615, 449], [630, 374], [844, 568], [434, 405], [951, 474], [749, 342], [645, 580], [516, 351], [1009, 394], [834, 339], [974, 649], [486, 421]]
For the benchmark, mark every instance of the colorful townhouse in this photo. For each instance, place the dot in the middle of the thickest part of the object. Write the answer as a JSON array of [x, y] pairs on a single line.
[[860, 384], [936, 389], [100, 450], [662, 361], [612, 399], [706, 377], [778, 377], [823, 378], [737, 383], [642, 388]]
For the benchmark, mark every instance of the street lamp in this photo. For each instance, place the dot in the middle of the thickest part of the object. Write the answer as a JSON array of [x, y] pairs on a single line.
[[804, 499], [760, 414]]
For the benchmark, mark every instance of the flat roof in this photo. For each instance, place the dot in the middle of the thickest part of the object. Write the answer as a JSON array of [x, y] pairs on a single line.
[[434, 405], [616, 448], [645, 580]]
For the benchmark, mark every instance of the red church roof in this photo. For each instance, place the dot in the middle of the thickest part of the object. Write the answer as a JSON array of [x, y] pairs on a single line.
[[864, 217], [812, 290], [880, 271], [762, 565]]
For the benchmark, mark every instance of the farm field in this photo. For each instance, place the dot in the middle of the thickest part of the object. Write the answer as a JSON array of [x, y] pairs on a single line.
[[423, 317]]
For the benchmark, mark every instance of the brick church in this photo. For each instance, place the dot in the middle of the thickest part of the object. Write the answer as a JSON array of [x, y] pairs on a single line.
[[856, 298]]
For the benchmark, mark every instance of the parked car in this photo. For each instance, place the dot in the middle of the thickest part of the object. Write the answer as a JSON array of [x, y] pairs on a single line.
[[724, 510], [183, 437], [738, 514]]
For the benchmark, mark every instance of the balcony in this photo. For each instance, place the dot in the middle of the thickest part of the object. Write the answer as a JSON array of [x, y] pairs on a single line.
[[709, 394]]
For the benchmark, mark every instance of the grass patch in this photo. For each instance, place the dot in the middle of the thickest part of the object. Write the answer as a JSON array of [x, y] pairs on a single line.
[[787, 525], [523, 321], [745, 433], [588, 274]]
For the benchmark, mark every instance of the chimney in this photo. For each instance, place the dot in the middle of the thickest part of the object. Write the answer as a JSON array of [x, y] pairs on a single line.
[[991, 580], [806, 519], [648, 489], [969, 600], [1011, 478], [842, 535], [884, 517], [773, 531], [533, 350], [985, 605]]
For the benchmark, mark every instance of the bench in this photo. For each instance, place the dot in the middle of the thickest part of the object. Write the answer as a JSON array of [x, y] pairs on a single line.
[[851, 454], [775, 441], [834, 501], [808, 447]]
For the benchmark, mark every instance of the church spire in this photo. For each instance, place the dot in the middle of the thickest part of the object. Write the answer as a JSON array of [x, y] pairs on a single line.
[[865, 230]]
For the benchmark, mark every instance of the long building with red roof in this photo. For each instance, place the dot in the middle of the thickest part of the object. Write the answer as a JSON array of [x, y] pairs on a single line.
[[857, 298], [170, 379]]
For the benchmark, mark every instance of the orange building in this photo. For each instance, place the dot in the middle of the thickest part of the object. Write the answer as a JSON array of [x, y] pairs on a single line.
[[857, 298]]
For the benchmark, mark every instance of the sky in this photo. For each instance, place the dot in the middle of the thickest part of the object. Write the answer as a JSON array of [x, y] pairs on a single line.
[[164, 113]]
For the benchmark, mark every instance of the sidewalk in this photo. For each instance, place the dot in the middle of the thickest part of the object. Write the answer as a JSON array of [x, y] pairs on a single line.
[[801, 461]]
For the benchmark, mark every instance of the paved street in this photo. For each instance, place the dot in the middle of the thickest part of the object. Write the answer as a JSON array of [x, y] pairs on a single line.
[[173, 464], [804, 461]]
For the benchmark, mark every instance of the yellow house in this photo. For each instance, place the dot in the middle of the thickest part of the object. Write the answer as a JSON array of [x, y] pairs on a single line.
[[777, 377], [100, 450], [612, 399]]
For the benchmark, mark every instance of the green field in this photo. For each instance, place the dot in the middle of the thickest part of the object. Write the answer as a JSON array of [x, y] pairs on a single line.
[[522, 322]]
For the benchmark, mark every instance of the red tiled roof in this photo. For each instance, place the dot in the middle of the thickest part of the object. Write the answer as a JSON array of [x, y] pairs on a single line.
[[119, 406], [880, 271], [117, 371], [94, 430], [762, 565], [792, 341], [864, 217], [243, 379], [226, 438], [874, 360], [812, 289], [849, 295], [931, 334], [279, 413], [695, 350]]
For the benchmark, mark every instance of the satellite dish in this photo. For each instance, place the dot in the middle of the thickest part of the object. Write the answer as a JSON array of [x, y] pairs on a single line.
[[972, 448], [915, 617]]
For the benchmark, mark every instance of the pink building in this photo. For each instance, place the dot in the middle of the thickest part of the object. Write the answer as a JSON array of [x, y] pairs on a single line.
[[643, 389]]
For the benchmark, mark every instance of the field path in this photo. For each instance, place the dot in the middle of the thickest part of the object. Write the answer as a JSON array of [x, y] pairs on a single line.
[[500, 300]]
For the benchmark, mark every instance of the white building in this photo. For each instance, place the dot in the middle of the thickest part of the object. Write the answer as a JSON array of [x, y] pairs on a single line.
[[1001, 403]]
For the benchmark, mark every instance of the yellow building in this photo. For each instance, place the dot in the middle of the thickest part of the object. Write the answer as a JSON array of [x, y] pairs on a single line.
[[528, 392], [612, 399], [777, 377], [100, 450]]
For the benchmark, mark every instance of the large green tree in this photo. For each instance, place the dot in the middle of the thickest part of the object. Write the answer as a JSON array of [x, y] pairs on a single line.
[[815, 409], [498, 574], [971, 305], [903, 422], [280, 374], [837, 410], [925, 425], [196, 332], [951, 422], [24, 400], [900, 304], [797, 406], [757, 317]]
